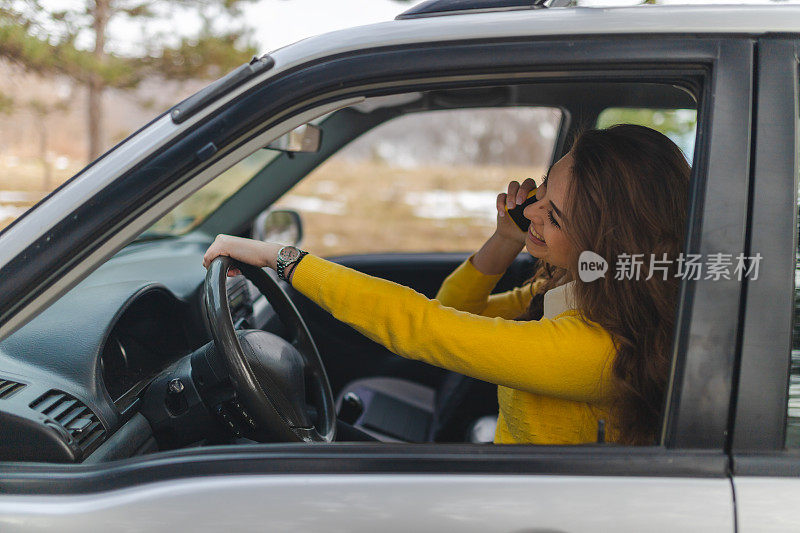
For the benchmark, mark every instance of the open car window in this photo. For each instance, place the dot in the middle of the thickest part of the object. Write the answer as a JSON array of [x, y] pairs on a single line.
[[425, 182]]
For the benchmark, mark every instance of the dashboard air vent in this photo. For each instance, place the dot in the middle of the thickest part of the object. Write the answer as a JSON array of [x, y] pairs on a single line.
[[8, 388], [84, 426]]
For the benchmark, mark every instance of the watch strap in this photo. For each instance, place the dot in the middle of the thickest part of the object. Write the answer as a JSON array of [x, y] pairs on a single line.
[[282, 265]]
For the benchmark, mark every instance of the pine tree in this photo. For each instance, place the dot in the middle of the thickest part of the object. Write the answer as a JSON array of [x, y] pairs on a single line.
[[45, 40]]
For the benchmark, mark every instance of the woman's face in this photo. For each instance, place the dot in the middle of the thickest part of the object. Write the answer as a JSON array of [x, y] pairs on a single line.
[[546, 238]]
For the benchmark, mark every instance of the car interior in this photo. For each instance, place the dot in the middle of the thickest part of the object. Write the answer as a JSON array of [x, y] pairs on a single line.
[[123, 364]]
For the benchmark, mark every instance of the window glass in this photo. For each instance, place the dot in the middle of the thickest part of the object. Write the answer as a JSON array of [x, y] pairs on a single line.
[[679, 125], [198, 206], [793, 404], [422, 182]]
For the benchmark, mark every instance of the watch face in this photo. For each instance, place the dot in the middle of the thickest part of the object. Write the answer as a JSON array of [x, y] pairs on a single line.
[[288, 253]]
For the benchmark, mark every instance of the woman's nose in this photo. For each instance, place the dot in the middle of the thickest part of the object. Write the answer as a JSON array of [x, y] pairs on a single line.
[[532, 211]]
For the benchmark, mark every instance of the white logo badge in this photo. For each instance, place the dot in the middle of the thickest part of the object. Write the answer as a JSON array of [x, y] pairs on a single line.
[[591, 266]]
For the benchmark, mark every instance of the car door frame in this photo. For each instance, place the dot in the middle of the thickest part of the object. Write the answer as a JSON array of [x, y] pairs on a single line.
[[696, 427], [767, 474]]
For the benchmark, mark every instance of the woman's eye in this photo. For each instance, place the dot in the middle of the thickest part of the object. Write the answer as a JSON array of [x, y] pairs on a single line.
[[552, 219]]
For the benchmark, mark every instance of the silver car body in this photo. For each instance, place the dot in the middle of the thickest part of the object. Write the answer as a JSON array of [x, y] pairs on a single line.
[[395, 501]]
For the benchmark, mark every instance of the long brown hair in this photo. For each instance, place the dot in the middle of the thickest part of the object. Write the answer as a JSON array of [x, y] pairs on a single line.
[[628, 195]]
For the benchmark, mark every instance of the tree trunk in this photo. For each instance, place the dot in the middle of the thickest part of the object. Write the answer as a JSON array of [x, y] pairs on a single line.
[[96, 85], [95, 117], [47, 171]]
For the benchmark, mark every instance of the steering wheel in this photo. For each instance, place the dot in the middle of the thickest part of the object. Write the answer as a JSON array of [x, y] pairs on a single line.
[[270, 374]]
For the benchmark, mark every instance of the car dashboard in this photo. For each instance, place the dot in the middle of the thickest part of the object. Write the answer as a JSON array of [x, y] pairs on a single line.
[[72, 380]]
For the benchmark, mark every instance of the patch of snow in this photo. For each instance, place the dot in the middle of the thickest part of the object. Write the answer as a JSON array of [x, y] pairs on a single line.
[[19, 196], [440, 204], [311, 204], [10, 211]]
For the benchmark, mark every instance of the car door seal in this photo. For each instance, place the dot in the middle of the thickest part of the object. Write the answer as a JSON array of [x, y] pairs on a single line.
[[186, 109]]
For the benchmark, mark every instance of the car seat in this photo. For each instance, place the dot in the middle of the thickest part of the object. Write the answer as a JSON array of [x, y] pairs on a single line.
[[461, 409]]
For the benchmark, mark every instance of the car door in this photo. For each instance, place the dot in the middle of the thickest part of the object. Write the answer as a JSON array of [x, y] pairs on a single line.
[[766, 438], [679, 483]]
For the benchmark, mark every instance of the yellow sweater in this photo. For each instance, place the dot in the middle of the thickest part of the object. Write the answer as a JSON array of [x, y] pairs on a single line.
[[553, 376]]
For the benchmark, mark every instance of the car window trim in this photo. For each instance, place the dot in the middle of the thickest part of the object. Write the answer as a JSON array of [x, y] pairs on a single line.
[[701, 382], [363, 458], [347, 124]]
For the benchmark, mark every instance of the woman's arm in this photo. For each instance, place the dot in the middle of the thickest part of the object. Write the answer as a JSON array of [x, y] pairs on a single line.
[[466, 289], [497, 254], [564, 357], [469, 287], [505, 244]]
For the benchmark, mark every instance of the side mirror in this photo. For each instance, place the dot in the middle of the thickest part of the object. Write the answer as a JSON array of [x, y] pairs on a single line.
[[305, 138], [278, 225]]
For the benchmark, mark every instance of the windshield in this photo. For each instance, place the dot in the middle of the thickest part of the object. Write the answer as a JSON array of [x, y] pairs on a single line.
[[194, 210]]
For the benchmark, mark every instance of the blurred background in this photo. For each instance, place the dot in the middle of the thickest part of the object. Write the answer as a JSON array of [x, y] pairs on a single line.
[[78, 76]]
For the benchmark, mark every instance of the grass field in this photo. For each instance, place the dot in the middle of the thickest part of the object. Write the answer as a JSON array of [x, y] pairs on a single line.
[[22, 184], [346, 206], [383, 208]]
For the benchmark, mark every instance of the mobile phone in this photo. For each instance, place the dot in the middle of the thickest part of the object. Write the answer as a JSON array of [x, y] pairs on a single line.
[[516, 212]]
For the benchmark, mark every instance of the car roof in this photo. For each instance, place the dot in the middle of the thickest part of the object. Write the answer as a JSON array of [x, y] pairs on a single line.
[[573, 21]]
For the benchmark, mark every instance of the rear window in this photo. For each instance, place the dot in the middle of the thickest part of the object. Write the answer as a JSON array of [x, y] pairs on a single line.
[[680, 125]]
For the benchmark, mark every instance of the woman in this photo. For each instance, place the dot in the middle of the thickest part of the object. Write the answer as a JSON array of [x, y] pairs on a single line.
[[568, 355]]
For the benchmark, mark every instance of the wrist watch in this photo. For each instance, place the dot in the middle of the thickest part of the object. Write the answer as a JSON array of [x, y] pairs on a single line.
[[288, 256]]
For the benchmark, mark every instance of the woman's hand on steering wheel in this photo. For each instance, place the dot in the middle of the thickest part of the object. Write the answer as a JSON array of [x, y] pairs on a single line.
[[281, 381], [252, 252]]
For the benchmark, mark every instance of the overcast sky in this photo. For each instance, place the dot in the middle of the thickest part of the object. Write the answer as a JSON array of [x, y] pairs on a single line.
[[276, 23], [281, 22]]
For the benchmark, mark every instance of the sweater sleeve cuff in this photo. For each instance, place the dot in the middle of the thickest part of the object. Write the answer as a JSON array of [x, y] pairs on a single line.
[[310, 273]]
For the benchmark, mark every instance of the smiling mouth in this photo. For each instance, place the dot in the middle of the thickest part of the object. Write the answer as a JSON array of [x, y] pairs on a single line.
[[536, 237]]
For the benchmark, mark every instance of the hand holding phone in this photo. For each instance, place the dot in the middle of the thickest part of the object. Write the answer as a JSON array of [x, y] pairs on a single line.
[[516, 212]]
